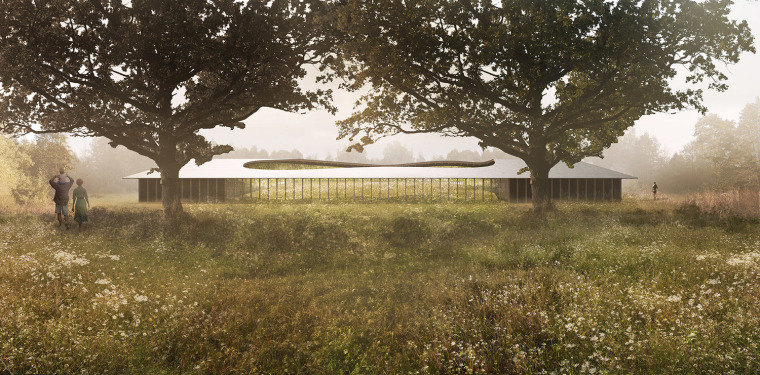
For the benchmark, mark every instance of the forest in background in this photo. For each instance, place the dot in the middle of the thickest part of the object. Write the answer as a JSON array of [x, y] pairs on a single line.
[[723, 155]]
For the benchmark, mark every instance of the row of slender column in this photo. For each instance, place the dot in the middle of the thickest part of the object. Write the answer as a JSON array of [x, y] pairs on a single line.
[[361, 188], [514, 190]]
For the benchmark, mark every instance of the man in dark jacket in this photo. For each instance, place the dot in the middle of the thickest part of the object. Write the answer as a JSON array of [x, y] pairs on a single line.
[[61, 197]]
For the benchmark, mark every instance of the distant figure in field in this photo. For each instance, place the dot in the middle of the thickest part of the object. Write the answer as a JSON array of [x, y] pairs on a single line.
[[61, 198], [654, 190], [81, 204]]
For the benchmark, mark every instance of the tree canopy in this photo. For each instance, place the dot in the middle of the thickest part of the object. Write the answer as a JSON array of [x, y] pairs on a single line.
[[149, 75], [545, 81]]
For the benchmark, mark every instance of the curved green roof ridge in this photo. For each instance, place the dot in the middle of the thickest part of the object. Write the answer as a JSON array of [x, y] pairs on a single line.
[[339, 164]]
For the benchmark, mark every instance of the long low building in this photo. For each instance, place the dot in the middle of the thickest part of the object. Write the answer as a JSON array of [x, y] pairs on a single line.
[[297, 179]]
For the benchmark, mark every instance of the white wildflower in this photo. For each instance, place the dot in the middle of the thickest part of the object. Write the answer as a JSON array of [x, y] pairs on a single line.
[[102, 281], [69, 259], [747, 259], [674, 298]]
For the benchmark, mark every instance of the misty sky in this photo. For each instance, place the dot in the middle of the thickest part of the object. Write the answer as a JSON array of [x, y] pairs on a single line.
[[314, 133]]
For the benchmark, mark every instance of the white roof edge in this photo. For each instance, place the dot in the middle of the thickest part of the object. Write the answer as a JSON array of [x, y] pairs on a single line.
[[502, 168]]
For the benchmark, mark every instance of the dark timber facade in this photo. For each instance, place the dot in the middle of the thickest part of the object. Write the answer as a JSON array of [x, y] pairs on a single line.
[[584, 189]]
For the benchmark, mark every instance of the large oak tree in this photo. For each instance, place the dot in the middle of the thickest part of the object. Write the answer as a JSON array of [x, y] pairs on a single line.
[[545, 81], [150, 74]]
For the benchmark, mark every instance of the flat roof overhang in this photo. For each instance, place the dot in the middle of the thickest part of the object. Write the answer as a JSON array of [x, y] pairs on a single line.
[[500, 168]]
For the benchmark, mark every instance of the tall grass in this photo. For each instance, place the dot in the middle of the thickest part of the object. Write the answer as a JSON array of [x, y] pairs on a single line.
[[743, 203], [380, 289]]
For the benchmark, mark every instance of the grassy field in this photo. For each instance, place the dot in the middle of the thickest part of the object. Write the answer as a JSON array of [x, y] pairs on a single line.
[[597, 288]]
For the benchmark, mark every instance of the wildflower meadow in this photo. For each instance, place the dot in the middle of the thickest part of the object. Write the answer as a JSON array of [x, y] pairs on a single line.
[[634, 287]]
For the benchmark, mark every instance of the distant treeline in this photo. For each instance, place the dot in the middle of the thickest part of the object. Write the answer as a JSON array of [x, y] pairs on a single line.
[[723, 155]]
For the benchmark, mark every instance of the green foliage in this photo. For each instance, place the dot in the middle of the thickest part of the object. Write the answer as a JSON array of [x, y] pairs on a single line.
[[545, 81], [151, 75], [315, 288], [47, 154], [28, 165], [11, 162]]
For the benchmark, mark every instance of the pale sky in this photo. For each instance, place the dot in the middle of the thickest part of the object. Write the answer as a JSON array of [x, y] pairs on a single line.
[[314, 133]]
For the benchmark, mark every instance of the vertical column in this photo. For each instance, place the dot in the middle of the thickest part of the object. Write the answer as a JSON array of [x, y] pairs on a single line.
[[551, 185]]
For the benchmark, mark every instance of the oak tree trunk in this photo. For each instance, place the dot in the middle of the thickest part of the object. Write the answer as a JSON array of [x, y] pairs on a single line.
[[540, 186], [171, 190]]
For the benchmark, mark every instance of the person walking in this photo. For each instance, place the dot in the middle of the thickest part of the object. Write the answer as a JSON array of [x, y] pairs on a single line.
[[654, 190], [81, 204], [61, 197]]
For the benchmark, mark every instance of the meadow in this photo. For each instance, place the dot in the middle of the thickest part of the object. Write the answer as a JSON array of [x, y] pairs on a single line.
[[634, 287]]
